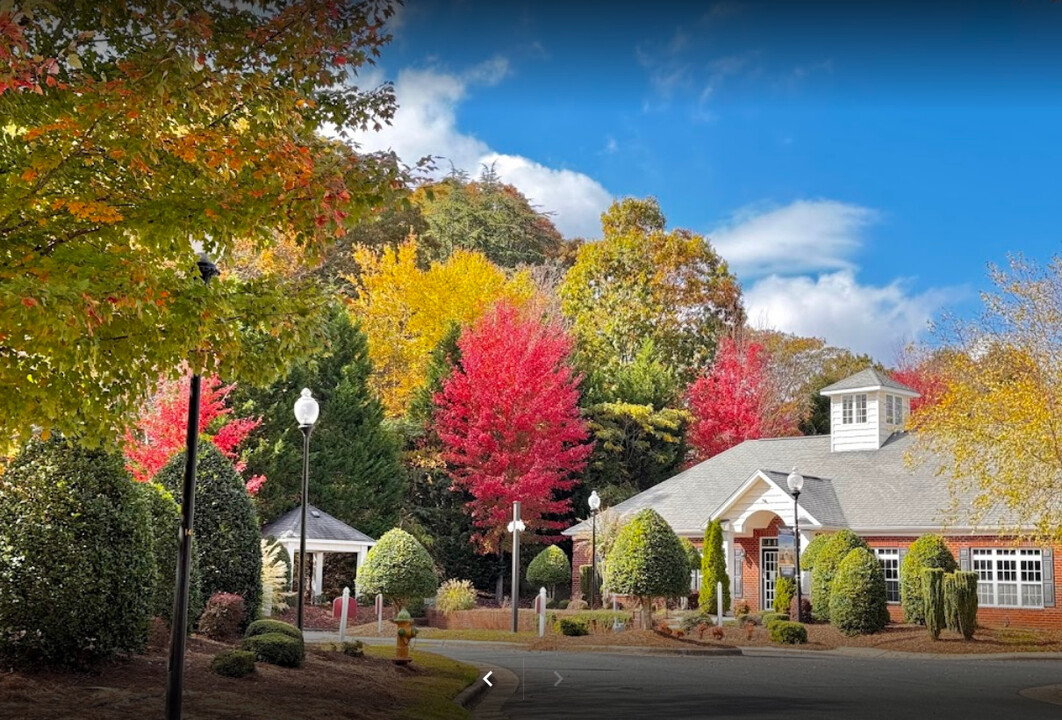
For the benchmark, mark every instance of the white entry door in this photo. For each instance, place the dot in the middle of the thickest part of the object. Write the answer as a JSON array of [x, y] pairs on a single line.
[[768, 571]]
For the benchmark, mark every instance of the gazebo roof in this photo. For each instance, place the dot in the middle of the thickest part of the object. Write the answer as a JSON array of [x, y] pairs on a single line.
[[319, 526]]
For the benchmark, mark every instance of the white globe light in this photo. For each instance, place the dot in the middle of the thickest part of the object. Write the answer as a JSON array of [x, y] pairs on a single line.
[[306, 409], [795, 481], [594, 501]]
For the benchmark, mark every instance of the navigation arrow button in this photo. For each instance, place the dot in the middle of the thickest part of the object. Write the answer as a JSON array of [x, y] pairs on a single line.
[[559, 678], [486, 679]]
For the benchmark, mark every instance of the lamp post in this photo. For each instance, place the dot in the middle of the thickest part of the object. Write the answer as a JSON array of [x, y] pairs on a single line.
[[795, 481], [179, 628], [306, 410], [515, 527], [595, 504]]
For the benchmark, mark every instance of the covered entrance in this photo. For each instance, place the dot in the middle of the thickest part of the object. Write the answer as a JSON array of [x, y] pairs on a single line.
[[768, 571]]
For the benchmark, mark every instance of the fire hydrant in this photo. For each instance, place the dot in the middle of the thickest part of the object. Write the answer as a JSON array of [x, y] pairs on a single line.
[[406, 632]]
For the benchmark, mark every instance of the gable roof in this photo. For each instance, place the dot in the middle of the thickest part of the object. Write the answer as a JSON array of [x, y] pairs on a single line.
[[817, 498], [319, 526], [869, 378]]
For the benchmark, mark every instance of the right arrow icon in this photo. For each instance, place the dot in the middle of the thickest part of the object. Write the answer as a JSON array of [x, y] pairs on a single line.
[[559, 678]]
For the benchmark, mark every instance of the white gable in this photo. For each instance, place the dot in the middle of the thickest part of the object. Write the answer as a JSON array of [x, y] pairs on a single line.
[[756, 503]]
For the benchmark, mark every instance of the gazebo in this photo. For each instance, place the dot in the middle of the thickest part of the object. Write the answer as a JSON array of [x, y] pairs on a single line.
[[324, 534]]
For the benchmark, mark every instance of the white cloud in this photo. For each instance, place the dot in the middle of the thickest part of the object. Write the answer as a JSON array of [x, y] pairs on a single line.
[[426, 124]]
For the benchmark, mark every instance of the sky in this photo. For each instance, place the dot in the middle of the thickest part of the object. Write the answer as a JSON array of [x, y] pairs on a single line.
[[858, 164]]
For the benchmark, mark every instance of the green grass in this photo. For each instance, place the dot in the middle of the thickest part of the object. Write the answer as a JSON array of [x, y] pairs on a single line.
[[480, 635], [431, 695]]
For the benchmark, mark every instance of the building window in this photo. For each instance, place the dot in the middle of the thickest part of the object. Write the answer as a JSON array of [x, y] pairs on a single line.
[[861, 408], [890, 565], [1008, 577], [846, 410], [853, 409], [894, 410]]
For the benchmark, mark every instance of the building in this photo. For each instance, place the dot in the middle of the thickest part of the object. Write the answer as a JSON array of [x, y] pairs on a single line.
[[858, 477]]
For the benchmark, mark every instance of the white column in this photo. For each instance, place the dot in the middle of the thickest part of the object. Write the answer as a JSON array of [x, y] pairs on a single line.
[[318, 573], [362, 553], [290, 548], [728, 553]]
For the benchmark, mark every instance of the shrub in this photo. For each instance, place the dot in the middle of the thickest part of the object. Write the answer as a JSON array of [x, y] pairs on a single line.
[[741, 607], [805, 609], [691, 553], [647, 561], [573, 627], [784, 592], [928, 551], [165, 525], [834, 549], [932, 588], [77, 571], [562, 604], [399, 568], [578, 604], [275, 578], [416, 607], [227, 542], [713, 568], [596, 620], [263, 627], [276, 649], [965, 600], [788, 633], [772, 617], [222, 617], [810, 555], [857, 596], [951, 610], [353, 648], [549, 568], [454, 595], [585, 578], [233, 663]]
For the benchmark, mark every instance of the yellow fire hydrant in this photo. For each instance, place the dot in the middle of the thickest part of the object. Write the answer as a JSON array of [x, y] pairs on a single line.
[[406, 632]]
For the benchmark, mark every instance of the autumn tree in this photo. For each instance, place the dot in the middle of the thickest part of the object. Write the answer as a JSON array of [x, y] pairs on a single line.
[[921, 369], [835, 364], [132, 131], [406, 310], [641, 282], [509, 421]]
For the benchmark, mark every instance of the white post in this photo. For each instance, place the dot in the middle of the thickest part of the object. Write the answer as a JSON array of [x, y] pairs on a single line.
[[343, 615], [379, 614], [541, 611], [719, 603], [615, 618]]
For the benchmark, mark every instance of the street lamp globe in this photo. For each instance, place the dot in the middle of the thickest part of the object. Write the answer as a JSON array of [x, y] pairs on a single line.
[[795, 481], [594, 501], [306, 409]]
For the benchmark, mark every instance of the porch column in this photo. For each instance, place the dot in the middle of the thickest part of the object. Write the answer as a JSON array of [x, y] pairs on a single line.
[[318, 574], [362, 552], [728, 553], [805, 575], [290, 549]]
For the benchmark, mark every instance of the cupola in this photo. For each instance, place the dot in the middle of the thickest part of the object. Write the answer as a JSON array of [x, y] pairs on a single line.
[[865, 409]]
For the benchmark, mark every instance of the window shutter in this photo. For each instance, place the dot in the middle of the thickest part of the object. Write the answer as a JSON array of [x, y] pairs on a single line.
[[964, 559], [739, 563], [1047, 572], [903, 554]]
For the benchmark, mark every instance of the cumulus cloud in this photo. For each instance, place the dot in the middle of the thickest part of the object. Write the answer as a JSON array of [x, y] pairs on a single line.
[[426, 124]]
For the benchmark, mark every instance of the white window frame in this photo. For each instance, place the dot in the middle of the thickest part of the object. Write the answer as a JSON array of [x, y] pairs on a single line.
[[861, 409], [887, 555], [847, 409], [1009, 577], [894, 410]]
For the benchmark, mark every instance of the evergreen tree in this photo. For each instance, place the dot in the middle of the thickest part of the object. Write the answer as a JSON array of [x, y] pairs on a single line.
[[713, 568]]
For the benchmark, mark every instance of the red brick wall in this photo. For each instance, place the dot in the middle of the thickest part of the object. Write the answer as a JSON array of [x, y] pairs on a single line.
[[750, 574], [580, 556]]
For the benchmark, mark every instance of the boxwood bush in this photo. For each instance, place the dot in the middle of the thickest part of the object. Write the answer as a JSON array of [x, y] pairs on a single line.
[[276, 649], [928, 551], [810, 555], [77, 574], [772, 617], [399, 568], [264, 626], [787, 633], [834, 549], [233, 663], [573, 627], [166, 525], [857, 597], [227, 542]]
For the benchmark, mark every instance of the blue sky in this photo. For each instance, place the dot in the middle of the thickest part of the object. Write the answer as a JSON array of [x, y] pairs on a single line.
[[858, 164]]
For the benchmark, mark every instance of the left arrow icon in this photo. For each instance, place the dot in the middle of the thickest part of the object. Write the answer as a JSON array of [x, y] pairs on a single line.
[[486, 679]]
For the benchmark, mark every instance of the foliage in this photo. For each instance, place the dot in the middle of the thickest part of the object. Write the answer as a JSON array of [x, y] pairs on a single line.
[[587, 580], [233, 663], [951, 610], [276, 649], [275, 578], [784, 592], [406, 310], [713, 568], [355, 473], [769, 618], [857, 594], [647, 561], [733, 402], [833, 551], [692, 554], [445, 356], [223, 616], [640, 283], [645, 380], [963, 598], [227, 543], [788, 633], [550, 568], [921, 370], [454, 595], [573, 627], [264, 626], [77, 573], [166, 524], [809, 555], [928, 551], [398, 567], [833, 365], [805, 608], [509, 421], [933, 598], [595, 620], [132, 130]]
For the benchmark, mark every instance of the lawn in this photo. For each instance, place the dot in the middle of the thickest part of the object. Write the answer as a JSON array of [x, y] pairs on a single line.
[[480, 635], [431, 684]]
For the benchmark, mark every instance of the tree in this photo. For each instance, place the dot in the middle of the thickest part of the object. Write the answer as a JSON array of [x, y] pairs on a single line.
[[733, 402], [857, 594], [833, 551], [928, 551], [132, 131], [713, 568], [406, 310], [399, 568], [550, 568], [645, 380], [509, 421], [647, 562], [921, 370], [355, 472], [836, 364], [692, 555], [641, 283]]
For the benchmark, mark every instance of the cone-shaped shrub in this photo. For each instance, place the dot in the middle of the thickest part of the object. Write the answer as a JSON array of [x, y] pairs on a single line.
[[829, 557], [399, 568], [713, 569], [857, 595], [647, 561], [784, 590], [951, 608], [933, 596], [964, 586], [928, 551], [549, 568]]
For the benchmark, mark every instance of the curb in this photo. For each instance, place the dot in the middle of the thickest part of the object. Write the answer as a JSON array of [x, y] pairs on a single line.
[[471, 695], [853, 652]]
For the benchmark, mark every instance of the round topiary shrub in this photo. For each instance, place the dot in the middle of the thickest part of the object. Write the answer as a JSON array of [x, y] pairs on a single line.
[[77, 574], [787, 633], [166, 525], [263, 627], [399, 568], [276, 649], [833, 551], [222, 617], [227, 543], [647, 561], [454, 595], [233, 663], [810, 554], [928, 551], [549, 568], [857, 597]]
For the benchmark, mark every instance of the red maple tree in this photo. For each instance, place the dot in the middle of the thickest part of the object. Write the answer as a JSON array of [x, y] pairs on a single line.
[[160, 432], [509, 421], [923, 377], [734, 401]]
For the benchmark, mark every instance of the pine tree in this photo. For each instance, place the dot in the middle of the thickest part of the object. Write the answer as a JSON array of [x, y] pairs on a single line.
[[713, 568]]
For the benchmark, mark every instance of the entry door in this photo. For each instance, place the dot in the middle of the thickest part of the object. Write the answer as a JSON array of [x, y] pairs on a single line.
[[768, 571]]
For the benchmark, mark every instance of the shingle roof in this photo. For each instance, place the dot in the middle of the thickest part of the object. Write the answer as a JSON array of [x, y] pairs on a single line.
[[817, 497], [867, 378], [319, 526]]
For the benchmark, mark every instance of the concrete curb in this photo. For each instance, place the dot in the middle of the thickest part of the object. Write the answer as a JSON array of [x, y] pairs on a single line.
[[471, 695], [853, 652]]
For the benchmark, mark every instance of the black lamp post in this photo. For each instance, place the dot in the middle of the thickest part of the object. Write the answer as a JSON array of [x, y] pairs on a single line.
[[179, 627], [306, 410], [795, 481], [595, 504]]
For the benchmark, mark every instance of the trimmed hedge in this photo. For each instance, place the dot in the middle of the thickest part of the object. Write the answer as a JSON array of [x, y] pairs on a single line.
[[647, 561], [595, 620], [549, 568], [264, 627], [166, 525], [928, 551], [227, 542], [77, 570], [834, 549], [932, 589], [276, 649], [233, 663], [964, 591], [951, 610], [857, 596], [787, 633], [772, 617], [573, 627], [222, 617], [399, 568]]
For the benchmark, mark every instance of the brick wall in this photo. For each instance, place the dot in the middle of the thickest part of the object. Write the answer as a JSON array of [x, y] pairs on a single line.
[[580, 556], [750, 570]]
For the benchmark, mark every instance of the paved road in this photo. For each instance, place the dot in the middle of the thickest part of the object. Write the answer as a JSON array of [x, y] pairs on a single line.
[[597, 685]]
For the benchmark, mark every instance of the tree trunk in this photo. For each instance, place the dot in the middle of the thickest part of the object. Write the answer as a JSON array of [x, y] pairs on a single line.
[[647, 613]]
